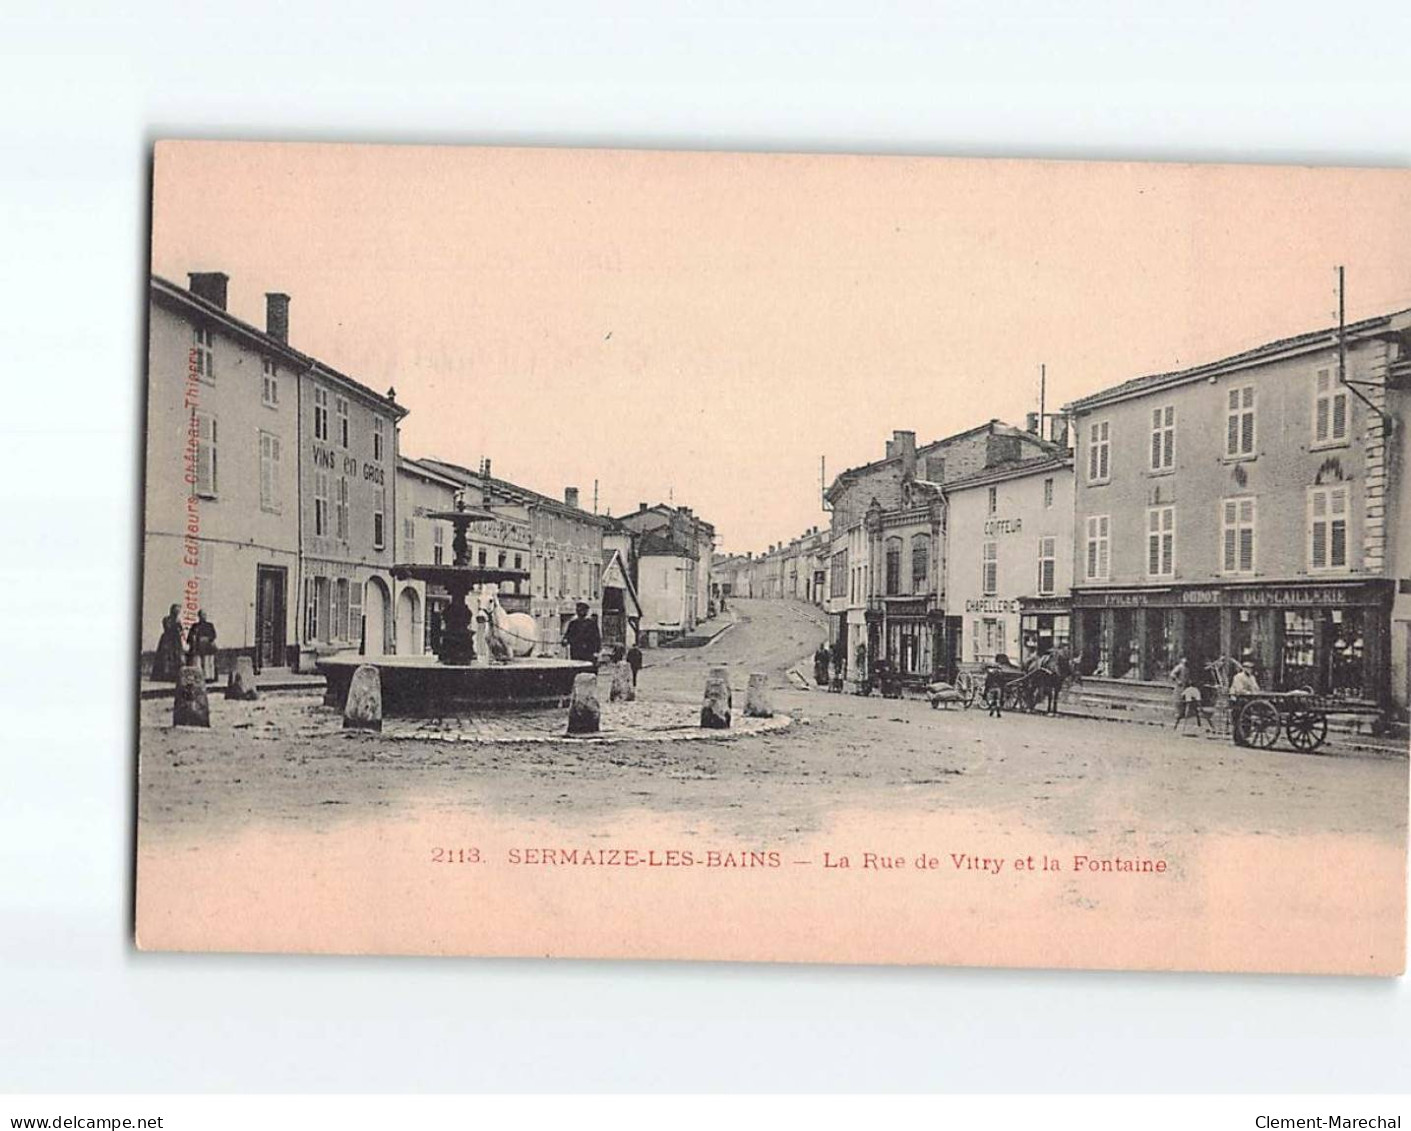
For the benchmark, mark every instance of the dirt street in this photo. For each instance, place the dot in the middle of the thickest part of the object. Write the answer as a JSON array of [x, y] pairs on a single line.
[[275, 761]]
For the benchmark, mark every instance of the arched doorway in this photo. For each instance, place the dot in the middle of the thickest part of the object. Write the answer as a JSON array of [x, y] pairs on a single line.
[[408, 622], [376, 609]]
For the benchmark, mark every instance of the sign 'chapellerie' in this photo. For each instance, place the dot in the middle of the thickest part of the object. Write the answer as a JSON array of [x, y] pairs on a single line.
[[493, 602]]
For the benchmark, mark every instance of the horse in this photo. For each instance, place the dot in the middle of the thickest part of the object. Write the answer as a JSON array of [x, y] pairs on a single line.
[[1050, 672]]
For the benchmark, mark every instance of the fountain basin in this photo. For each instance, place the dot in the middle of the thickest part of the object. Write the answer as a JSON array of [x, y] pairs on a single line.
[[421, 687]]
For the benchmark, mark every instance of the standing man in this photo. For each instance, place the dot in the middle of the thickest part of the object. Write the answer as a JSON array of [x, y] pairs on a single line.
[[634, 661], [582, 637], [1180, 676], [1244, 682], [201, 646]]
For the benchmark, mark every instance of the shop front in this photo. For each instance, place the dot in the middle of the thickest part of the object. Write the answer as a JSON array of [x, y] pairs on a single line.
[[1044, 625], [1330, 637], [912, 633]]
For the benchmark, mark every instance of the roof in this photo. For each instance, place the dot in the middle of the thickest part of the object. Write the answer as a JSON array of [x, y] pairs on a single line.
[[653, 545], [513, 491], [667, 512], [419, 469], [173, 295], [1015, 469], [611, 556], [1397, 321], [996, 426]]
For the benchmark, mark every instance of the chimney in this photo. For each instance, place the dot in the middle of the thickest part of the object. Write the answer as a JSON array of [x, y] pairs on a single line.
[[277, 316], [891, 449], [1060, 431], [210, 285], [570, 497], [485, 468], [641, 507], [905, 445], [1031, 423]]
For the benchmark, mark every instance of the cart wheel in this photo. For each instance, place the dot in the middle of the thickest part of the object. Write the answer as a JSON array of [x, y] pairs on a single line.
[[1258, 724], [1307, 730], [965, 688]]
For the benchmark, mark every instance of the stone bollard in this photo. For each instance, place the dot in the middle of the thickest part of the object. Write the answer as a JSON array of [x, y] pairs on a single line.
[[622, 687], [757, 705], [192, 707], [363, 710], [584, 713], [715, 711], [240, 681]]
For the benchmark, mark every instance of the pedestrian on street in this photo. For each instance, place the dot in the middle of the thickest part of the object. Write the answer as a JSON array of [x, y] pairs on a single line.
[[820, 666], [1244, 682], [582, 637], [167, 662], [634, 661], [1180, 676], [201, 646], [1191, 707]]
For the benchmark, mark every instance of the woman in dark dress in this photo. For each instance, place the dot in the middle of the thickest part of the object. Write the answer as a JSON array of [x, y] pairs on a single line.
[[167, 662]]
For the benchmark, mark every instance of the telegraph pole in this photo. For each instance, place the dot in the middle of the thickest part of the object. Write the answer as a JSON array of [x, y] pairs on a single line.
[[1343, 382], [1043, 380], [1342, 327]]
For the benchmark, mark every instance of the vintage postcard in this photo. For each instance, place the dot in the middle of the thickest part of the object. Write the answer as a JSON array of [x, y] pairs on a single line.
[[775, 557]]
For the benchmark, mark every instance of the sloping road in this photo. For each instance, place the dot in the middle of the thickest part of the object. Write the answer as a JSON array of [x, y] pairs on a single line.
[[768, 636]]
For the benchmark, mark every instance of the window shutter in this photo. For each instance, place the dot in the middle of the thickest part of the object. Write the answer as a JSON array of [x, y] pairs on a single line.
[[205, 454]]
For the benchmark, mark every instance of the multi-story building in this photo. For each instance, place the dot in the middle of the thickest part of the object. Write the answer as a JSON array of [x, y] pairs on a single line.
[[900, 497], [230, 482], [673, 550], [733, 575], [347, 514], [1247, 508], [1009, 568]]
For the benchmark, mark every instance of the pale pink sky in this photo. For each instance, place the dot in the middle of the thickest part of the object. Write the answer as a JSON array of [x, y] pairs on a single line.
[[709, 325]]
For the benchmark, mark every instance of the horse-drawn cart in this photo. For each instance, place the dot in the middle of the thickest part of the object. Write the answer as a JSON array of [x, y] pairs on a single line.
[[1258, 718]]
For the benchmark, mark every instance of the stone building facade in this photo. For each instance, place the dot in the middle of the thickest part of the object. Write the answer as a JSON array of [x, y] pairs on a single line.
[[230, 479], [1010, 562], [348, 514], [904, 497], [1244, 509], [673, 552]]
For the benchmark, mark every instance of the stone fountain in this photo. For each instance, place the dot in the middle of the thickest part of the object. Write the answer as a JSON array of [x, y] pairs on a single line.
[[484, 660]]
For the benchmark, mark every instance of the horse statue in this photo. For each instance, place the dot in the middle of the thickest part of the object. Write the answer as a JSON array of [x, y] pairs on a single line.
[[508, 636]]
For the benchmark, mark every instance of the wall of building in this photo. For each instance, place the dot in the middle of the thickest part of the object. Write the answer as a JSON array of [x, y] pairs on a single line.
[[347, 478], [661, 587], [205, 549], [1027, 518], [1285, 465], [566, 568], [1299, 622]]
